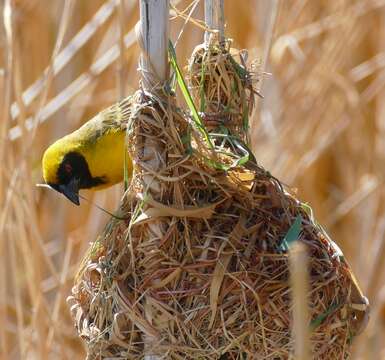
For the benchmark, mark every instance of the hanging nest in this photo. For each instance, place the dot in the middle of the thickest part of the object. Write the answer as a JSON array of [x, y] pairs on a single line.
[[199, 267], [223, 88]]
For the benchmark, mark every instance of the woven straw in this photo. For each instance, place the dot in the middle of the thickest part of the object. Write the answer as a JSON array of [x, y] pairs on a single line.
[[200, 265]]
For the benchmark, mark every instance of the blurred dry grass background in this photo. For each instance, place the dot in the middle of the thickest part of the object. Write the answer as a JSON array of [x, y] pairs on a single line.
[[320, 129]]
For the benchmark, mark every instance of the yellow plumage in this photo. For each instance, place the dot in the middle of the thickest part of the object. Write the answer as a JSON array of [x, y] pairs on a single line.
[[92, 156]]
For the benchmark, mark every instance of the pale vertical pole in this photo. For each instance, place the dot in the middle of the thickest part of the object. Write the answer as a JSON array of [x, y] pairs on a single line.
[[5, 103], [121, 63], [299, 281], [153, 36], [215, 19]]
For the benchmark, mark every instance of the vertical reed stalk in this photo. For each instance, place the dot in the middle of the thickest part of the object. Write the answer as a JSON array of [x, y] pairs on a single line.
[[214, 19], [299, 283], [153, 37], [121, 70], [7, 18]]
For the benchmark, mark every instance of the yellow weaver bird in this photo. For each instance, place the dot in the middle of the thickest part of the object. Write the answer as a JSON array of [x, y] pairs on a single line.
[[91, 157]]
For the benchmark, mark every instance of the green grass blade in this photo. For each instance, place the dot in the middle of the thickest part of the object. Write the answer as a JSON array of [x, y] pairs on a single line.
[[187, 96], [240, 70], [321, 318], [125, 170], [202, 89], [293, 234], [294, 231]]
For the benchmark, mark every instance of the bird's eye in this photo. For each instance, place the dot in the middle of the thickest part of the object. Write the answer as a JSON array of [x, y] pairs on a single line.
[[68, 168]]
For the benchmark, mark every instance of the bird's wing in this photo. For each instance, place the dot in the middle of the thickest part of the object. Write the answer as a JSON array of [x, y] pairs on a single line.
[[118, 114], [114, 118]]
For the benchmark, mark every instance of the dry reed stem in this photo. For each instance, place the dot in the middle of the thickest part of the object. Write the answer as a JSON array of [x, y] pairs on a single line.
[[215, 20], [121, 70], [154, 66], [6, 101], [299, 281]]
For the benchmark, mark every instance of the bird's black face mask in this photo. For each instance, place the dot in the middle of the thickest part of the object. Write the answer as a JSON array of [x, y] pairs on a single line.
[[70, 190], [73, 174]]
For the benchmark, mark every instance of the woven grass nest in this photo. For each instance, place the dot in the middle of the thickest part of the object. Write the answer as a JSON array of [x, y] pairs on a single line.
[[224, 88], [200, 263]]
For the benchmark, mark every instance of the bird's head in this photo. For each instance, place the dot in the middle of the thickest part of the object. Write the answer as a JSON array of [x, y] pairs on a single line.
[[66, 169]]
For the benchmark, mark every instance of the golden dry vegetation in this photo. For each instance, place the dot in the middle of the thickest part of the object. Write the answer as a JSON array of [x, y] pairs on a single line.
[[320, 129]]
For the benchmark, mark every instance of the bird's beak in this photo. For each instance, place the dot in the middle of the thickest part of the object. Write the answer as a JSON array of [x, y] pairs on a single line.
[[70, 190]]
